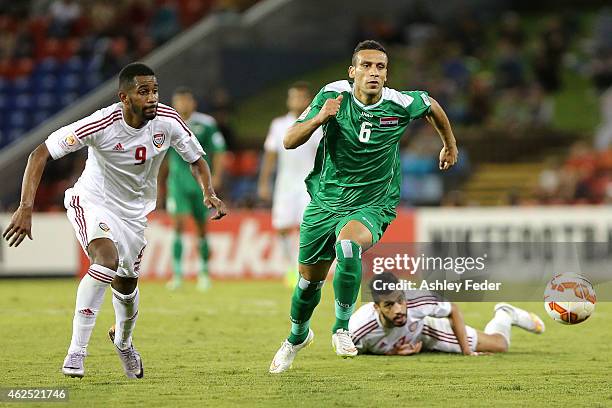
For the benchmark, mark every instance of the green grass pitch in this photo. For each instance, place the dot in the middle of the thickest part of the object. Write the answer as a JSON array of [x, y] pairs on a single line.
[[214, 349]]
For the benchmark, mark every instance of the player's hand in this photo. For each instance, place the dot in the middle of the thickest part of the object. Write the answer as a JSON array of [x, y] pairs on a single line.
[[330, 108], [20, 227], [407, 349], [214, 202], [448, 157], [477, 353]]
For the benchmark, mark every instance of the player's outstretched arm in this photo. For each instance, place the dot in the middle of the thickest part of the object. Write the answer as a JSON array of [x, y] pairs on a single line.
[[201, 173], [21, 222], [438, 119], [300, 132], [458, 325]]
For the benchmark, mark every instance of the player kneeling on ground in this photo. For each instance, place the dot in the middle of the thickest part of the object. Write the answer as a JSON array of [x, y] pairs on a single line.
[[396, 325]]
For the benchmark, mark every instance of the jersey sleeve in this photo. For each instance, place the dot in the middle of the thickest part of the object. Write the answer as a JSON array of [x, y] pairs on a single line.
[[314, 108], [427, 305], [184, 142], [76, 135], [420, 106]]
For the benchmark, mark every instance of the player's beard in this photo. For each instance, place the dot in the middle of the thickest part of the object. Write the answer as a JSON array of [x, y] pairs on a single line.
[[150, 114]]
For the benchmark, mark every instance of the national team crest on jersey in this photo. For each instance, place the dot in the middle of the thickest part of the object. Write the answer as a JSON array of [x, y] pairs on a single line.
[[104, 227], [159, 139], [389, 121]]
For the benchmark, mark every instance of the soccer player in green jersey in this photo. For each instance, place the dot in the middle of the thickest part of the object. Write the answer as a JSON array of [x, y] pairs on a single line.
[[354, 187], [184, 198]]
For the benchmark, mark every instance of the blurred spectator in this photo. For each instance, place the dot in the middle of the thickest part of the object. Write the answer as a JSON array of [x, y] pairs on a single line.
[[63, 13], [165, 23], [115, 57]]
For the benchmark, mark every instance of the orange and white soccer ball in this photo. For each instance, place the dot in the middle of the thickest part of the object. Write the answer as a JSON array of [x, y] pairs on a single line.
[[569, 298]]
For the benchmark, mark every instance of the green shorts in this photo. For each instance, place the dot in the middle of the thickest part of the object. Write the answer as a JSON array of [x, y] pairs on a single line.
[[182, 201], [320, 228]]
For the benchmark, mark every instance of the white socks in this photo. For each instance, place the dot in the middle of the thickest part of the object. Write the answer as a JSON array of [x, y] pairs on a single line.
[[500, 324], [126, 313], [90, 296]]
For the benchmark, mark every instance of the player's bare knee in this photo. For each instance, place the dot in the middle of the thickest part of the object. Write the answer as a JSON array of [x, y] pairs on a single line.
[[104, 252]]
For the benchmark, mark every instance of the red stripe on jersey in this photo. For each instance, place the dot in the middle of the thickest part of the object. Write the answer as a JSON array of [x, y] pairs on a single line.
[[171, 113], [94, 124], [80, 223], [435, 337], [82, 215], [412, 306], [364, 327], [421, 299], [356, 339], [101, 126], [440, 332], [177, 119]]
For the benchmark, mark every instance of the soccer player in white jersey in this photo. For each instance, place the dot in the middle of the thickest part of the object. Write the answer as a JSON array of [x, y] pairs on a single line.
[[292, 166], [108, 205], [395, 325]]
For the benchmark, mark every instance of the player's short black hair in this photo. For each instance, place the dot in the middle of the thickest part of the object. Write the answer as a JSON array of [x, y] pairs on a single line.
[[183, 90], [127, 74], [367, 45], [302, 85], [383, 280]]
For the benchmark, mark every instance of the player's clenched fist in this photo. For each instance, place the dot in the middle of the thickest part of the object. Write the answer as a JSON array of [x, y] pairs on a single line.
[[448, 157], [216, 203], [330, 108]]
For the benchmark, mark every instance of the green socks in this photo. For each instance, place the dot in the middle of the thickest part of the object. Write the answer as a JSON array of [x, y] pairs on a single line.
[[177, 255], [347, 280], [306, 297]]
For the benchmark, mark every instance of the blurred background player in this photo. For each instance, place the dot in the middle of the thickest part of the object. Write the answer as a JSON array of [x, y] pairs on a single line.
[[184, 196], [292, 167], [395, 325], [355, 187]]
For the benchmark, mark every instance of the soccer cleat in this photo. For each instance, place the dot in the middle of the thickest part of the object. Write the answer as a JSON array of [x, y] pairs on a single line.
[[522, 318], [286, 353], [73, 365], [130, 358], [343, 344]]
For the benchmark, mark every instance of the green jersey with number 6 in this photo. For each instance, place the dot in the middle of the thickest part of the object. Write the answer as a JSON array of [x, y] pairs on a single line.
[[358, 163]]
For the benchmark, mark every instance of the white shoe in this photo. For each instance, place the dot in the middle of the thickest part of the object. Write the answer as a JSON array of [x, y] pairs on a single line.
[[343, 344], [522, 318], [130, 358], [286, 353], [73, 365]]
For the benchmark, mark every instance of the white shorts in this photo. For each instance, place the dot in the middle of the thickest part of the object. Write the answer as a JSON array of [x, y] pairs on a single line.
[[437, 335], [92, 221], [288, 208]]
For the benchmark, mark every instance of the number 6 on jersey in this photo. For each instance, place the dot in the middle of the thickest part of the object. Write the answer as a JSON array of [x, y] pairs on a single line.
[[364, 133]]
